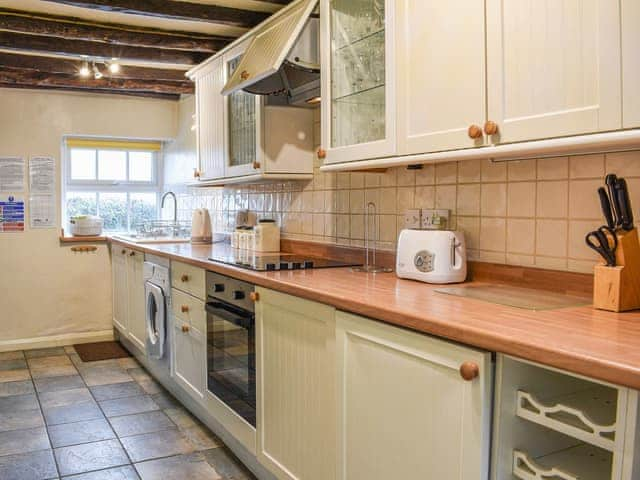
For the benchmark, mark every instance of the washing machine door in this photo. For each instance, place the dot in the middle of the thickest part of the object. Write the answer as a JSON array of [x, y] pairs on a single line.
[[155, 320]]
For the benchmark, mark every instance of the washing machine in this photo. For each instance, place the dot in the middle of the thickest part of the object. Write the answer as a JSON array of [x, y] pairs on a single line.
[[157, 290]]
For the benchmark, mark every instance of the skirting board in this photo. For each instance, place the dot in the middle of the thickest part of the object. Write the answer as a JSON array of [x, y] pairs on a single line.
[[55, 340]]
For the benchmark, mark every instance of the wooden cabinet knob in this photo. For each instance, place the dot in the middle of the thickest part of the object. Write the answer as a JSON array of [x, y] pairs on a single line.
[[254, 296], [132, 254], [185, 328], [196, 173], [490, 127], [84, 249], [244, 75], [123, 252], [256, 165], [469, 371], [184, 308], [184, 278], [322, 153], [475, 132]]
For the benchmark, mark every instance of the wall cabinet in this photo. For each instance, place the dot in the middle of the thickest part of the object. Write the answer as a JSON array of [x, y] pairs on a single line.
[[404, 410], [209, 117], [128, 294], [295, 386], [630, 63]]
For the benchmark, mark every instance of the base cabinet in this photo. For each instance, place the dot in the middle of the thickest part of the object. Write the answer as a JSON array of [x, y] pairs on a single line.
[[128, 294], [189, 361], [296, 394], [119, 289], [404, 410]]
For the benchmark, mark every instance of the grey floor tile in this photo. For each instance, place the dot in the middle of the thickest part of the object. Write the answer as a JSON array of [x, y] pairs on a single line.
[[69, 349], [103, 374], [128, 405], [116, 390], [17, 355], [181, 417], [10, 389], [73, 413], [202, 438], [23, 441], [14, 375], [61, 398], [55, 384], [140, 423], [28, 466], [18, 403], [53, 361], [140, 374], [90, 456], [118, 473], [18, 364], [150, 387], [44, 352], [227, 464], [21, 420], [156, 445], [128, 363], [54, 371], [192, 467], [68, 434], [165, 400]]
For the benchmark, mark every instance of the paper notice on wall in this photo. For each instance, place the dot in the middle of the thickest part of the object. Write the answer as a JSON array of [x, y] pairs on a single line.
[[42, 175], [11, 214], [42, 211], [11, 174]]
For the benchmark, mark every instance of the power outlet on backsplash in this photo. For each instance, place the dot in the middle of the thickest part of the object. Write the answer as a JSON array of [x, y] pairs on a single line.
[[435, 219], [412, 218]]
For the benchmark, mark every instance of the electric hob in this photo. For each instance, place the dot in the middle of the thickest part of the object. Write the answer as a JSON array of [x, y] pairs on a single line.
[[266, 262]]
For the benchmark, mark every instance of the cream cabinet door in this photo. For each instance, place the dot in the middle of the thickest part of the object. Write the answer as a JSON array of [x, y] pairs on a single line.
[[553, 67], [404, 411], [210, 115], [136, 298], [295, 386], [630, 63], [189, 358], [441, 74], [120, 289]]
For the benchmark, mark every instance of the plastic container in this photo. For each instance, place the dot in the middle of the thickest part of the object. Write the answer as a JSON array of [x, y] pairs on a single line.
[[266, 236]]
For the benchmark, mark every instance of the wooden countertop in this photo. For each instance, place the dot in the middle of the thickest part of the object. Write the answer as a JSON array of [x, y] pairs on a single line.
[[583, 340]]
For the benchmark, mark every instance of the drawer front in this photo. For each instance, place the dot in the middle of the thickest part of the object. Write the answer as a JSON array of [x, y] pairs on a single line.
[[188, 309], [189, 279]]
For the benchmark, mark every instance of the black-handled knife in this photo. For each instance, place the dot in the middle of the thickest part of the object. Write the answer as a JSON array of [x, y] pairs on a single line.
[[625, 220], [610, 180], [605, 203]]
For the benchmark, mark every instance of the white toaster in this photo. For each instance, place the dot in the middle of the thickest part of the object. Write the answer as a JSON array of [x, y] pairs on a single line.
[[432, 256]]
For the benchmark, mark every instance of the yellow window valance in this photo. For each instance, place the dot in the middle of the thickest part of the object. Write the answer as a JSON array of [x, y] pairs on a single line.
[[154, 146]]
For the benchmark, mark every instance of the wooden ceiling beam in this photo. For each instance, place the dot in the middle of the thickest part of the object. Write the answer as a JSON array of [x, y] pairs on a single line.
[[163, 96], [175, 10], [71, 67], [110, 33], [38, 43]]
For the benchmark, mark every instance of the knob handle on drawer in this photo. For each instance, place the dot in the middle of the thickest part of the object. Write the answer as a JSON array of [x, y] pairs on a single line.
[[196, 173], [132, 254], [469, 371], [322, 153], [256, 165], [184, 308], [123, 252], [244, 75], [490, 127], [475, 132], [184, 278], [185, 328], [254, 296]]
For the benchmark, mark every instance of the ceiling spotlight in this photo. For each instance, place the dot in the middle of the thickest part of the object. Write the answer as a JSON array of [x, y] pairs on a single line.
[[84, 70], [97, 74], [114, 67]]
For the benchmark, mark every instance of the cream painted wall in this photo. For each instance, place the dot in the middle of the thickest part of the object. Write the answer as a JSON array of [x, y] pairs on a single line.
[[48, 294]]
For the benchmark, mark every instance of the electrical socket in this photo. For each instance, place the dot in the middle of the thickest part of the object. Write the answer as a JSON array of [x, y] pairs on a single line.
[[412, 218], [435, 219]]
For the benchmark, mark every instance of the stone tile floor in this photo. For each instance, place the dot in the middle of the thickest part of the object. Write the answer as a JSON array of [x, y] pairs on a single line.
[[61, 418]]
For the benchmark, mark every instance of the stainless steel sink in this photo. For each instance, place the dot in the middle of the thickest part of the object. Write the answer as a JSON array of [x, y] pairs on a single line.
[[160, 239]]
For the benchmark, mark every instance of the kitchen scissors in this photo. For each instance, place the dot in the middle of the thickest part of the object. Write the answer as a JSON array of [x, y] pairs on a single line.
[[604, 241]]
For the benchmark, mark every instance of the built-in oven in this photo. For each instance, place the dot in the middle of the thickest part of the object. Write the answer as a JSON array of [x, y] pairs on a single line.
[[231, 359]]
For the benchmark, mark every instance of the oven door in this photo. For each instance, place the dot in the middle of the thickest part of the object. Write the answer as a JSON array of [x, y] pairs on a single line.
[[231, 360]]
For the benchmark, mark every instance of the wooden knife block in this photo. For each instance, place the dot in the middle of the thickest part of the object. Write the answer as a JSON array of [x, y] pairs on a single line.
[[617, 289]]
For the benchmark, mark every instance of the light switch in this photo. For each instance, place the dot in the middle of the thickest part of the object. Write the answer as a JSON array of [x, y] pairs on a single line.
[[435, 219]]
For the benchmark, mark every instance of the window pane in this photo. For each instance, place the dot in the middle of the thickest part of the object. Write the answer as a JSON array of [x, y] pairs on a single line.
[[112, 165], [113, 210], [83, 164], [81, 203], [141, 166], [144, 207]]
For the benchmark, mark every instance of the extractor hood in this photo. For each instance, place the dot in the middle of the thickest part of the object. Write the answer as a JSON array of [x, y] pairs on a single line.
[[283, 59]]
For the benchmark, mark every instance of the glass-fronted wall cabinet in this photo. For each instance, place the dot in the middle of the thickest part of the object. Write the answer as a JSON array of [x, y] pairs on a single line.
[[358, 107]]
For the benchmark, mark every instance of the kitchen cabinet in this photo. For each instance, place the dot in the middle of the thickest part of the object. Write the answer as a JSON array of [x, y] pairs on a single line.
[[128, 294], [358, 80], [189, 359], [441, 75], [295, 386], [630, 63], [119, 289], [553, 68], [209, 117], [404, 408]]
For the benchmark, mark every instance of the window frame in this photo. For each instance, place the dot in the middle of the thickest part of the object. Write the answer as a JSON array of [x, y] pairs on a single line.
[[98, 187]]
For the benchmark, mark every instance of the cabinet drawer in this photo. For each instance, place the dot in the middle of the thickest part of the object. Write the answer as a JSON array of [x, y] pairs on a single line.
[[188, 309], [188, 278]]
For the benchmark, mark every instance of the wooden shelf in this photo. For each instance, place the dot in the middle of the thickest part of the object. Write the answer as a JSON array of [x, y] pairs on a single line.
[[583, 462], [64, 239], [588, 415]]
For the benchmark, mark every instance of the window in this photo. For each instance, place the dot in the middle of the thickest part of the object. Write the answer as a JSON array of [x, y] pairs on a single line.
[[116, 180]]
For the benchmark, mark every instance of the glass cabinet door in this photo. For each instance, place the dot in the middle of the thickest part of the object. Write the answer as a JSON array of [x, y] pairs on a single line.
[[358, 78]]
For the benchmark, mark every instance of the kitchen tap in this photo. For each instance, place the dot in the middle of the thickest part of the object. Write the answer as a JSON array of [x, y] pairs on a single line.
[[175, 204]]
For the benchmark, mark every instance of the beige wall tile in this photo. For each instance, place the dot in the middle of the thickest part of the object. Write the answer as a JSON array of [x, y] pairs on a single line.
[[552, 199], [493, 200], [551, 263], [318, 224], [330, 225], [307, 223], [553, 168], [468, 200], [551, 238], [388, 201], [633, 185], [469, 171], [357, 180], [578, 230], [426, 175], [406, 177], [388, 228], [372, 195], [343, 180], [521, 236], [343, 228], [521, 199], [625, 164], [520, 260], [425, 197], [587, 166], [318, 202], [342, 201], [493, 171], [522, 170], [580, 266], [446, 197], [470, 226], [356, 201], [492, 257], [357, 227], [372, 180], [584, 202], [404, 199], [446, 173], [389, 178], [493, 234]]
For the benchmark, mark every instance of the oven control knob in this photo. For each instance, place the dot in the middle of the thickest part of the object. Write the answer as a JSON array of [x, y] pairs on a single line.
[[270, 266], [218, 287], [308, 264], [238, 295]]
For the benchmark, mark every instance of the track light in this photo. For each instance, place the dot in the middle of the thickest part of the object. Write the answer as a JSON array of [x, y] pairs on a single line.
[[97, 74], [114, 67], [84, 70]]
